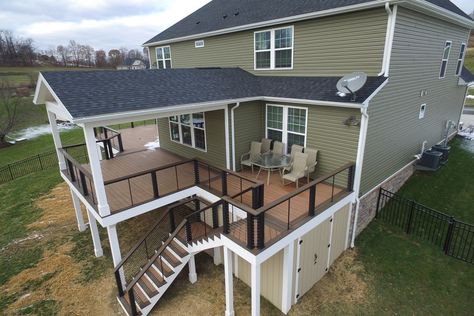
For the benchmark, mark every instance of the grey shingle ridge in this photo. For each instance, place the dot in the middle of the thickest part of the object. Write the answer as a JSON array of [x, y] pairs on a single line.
[[242, 12], [91, 93]]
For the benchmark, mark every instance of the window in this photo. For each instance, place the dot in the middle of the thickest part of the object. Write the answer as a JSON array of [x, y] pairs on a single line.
[[199, 44], [444, 60], [274, 49], [163, 57], [462, 54], [189, 129], [286, 124], [422, 111]]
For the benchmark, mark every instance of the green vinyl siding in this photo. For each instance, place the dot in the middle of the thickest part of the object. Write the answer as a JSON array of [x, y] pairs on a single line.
[[331, 46], [326, 131], [215, 139], [395, 133]]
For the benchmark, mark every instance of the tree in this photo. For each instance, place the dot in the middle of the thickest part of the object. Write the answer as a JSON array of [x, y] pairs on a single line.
[[63, 54], [8, 113], [74, 50], [115, 57], [100, 58]]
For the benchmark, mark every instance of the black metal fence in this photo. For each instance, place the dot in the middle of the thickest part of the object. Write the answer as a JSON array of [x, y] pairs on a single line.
[[454, 237], [27, 166]]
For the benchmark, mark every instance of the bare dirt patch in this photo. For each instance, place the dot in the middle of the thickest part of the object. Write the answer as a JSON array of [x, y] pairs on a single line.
[[346, 284], [57, 277]]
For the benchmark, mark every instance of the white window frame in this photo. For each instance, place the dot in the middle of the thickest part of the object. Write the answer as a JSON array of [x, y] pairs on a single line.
[[445, 60], [199, 44], [422, 113], [285, 130], [461, 58], [193, 141], [272, 49], [164, 59]]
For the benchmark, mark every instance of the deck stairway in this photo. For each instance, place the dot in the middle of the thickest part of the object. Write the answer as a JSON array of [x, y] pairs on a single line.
[[144, 286]]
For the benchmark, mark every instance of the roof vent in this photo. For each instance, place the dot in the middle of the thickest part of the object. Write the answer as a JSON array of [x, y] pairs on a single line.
[[236, 13], [198, 22], [224, 16]]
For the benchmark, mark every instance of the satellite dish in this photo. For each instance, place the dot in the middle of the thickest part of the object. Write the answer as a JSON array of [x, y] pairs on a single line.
[[350, 84]]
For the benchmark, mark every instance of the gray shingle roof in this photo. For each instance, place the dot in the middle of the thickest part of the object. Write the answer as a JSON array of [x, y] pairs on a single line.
[[91, 93], [242, 12], [466, 75]]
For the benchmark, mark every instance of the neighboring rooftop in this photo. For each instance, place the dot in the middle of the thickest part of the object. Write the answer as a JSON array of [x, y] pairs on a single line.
[[223, 14], [92, 93]]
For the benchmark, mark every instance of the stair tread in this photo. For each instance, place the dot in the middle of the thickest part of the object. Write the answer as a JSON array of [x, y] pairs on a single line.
[[170, 258], [147, 286], [140, 298], [167, 270], [126, 303], [155, 277], [178, 249]]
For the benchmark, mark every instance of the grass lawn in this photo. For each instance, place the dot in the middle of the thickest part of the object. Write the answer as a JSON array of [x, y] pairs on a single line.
[[450, 189], [29, 75]]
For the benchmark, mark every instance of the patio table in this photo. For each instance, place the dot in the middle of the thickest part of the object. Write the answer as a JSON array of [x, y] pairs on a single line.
[[270, 162]]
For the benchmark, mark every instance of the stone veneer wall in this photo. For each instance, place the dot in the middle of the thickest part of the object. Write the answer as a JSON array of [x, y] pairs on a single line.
[[368, 203]]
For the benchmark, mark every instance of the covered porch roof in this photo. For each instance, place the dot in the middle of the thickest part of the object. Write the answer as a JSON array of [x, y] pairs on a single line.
[[93, 96]]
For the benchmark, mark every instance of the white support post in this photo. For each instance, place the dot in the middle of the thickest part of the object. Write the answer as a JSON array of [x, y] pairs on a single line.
[[217, 256], [229, 283], [77, 208], [94, 163], [114, 244], [56, 139], [288, 268], [95, 235], [227, 136], [255, 282], [192, 270]]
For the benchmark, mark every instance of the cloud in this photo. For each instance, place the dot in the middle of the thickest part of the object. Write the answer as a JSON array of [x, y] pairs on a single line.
[[101, 23]]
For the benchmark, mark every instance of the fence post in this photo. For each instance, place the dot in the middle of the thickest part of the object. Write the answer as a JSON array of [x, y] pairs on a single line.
[[172, 220], [215, 217], [120, 143], [378, 203], [250, 231], [312, 201], [410, 216], [449, 235], [189, 234], [133, 307], [85, 192], [350, 179], [261, 231], [118, 279], [225, 216], [224, 182], [154, 183], [196, 172], [41, 164], [10, 170]]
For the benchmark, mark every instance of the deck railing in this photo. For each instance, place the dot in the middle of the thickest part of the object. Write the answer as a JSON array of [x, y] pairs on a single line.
[[266, 224], [111, 140], [152, 184], [77, 173]]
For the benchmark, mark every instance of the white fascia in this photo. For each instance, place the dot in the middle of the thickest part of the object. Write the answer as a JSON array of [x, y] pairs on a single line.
[[39, 98], [291, 19], [123, 117]]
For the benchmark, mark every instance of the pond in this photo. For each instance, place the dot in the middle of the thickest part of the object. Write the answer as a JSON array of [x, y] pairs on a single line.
[[35, 131]]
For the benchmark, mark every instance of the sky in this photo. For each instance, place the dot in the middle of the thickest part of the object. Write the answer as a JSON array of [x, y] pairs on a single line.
[[103, 24]]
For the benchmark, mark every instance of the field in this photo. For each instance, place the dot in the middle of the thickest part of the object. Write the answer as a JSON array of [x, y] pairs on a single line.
[[18, 76]]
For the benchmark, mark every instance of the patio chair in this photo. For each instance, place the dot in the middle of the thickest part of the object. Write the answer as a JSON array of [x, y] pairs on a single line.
[[311, 162], [249, 158], [278, 148], [294, 149], [266, 144], [297, 169]]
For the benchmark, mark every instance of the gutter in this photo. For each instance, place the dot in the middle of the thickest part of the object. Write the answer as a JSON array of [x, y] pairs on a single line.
[[391, 22]]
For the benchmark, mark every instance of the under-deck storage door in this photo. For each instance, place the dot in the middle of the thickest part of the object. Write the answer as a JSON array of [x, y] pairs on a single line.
[[339, 233], [314, 257]]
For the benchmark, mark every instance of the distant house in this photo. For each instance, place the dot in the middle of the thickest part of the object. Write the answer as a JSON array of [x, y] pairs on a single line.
[[135, 65]]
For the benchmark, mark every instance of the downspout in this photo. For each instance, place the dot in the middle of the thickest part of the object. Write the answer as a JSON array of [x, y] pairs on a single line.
[[358, 172], [387, 55], [233, 133]]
